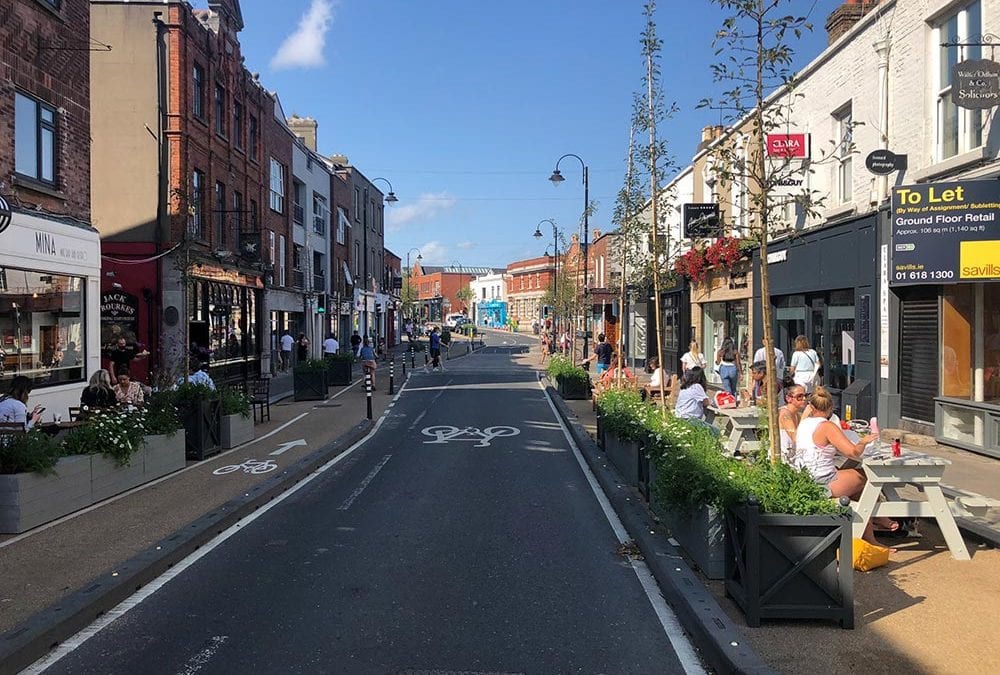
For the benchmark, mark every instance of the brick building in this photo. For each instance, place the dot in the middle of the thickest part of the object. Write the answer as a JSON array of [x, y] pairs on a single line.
[[49, 253], [191, 173], [438, 288], [528, 282]]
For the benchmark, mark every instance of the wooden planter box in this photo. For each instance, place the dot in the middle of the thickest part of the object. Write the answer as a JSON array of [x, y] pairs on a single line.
[[235, 430], [701, 533], [338, 372], [785, 567], [624, 455], [309, 386], [202, 422], [30, 499], [573, 389]]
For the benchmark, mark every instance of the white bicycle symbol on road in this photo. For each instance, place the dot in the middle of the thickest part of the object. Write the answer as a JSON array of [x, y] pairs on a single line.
[[248, 466], [444, 434]]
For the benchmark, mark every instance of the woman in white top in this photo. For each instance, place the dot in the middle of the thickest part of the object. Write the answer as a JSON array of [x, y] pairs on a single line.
[[692, 399], [13, 405], [817, 442], [789, 416], [805, 364], [693, 358]]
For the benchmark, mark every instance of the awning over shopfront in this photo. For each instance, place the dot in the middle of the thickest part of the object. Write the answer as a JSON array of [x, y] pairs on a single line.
[[347, 273]]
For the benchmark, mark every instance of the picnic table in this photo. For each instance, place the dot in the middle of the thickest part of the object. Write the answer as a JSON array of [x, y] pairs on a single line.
[[738, 426], [924, 472]]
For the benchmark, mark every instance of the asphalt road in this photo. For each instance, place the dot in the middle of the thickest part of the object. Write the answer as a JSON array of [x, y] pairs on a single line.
[[463, 536]]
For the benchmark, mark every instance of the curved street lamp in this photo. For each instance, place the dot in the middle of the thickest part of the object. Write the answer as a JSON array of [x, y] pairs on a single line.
[[557, 178], [391, 197], [555, 273]]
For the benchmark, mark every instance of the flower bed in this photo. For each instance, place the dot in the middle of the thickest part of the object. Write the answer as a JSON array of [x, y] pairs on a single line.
[[572, 382]]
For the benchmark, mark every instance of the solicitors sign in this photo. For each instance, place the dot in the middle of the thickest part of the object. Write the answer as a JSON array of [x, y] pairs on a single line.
[[976, 84], [945, 233]]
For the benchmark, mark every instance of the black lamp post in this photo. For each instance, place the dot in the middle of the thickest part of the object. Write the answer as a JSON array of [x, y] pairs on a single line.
[[555, 273], [391, 197], [557, 178]]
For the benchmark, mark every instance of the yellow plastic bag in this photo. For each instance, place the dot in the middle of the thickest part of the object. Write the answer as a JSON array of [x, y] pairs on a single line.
[[867, 556]]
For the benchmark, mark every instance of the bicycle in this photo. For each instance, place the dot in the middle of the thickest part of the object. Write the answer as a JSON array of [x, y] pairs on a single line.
[[251, 466]]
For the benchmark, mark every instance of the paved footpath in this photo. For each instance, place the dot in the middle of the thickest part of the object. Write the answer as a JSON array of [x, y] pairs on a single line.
[[58, 577]]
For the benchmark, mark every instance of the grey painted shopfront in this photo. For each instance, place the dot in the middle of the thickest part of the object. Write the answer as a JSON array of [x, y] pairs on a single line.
[[824, 285]]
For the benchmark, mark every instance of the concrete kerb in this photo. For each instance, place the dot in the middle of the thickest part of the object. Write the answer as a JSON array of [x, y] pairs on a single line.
[[35, 637], [721, 644]]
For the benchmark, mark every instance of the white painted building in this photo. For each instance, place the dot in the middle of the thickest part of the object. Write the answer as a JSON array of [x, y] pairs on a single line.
[[487, 288]]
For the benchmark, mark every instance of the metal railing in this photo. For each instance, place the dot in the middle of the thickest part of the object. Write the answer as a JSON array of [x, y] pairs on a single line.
[[298, 279], [298, 213]]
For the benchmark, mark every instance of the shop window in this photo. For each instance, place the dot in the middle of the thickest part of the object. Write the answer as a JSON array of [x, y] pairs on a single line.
[[842, 153], [42, 327], [958, 130], [34, 139], [970, 342]]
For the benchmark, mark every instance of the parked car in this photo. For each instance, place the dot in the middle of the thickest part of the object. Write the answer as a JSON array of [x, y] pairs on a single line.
[[455, 320]]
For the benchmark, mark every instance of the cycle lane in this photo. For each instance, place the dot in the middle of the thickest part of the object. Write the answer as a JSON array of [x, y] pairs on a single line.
[[432, 555], [47, 566]]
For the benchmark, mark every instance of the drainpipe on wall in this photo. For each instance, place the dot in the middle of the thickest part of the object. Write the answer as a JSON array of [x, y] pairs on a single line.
[[882, 49]]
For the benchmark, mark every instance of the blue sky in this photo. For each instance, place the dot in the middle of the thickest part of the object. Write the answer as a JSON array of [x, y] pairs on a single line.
[[465, 106]]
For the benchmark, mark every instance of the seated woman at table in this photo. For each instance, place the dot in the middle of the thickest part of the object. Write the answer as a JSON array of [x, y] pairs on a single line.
[[817, 442], [611, 375], [13, 404], [99, 393], [652, 388], [127, 391], [692, 399], [789, 416]]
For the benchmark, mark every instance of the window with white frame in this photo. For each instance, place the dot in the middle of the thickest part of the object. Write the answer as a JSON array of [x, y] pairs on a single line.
[[34, 139], [277, 186], [196, 208], [842, 135], [342, 224], [281, 260], [957, 130]]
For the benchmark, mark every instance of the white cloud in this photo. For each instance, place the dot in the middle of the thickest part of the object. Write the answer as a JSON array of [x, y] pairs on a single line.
[[425, 207], [304, 47], [434, 253], [465, 245]]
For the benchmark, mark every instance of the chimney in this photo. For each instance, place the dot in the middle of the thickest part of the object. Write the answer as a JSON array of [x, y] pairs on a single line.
[[340, 160], [305, 128], [846, 16], [708, 135]]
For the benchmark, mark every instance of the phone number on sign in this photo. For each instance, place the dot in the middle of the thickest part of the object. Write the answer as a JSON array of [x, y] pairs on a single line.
[[925, 274]]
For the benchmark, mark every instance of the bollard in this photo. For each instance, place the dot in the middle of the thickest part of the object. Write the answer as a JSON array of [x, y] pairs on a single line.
[[468, 347], [404, 365], [413, 363], [426, 359], [392, 374], [368, 392]]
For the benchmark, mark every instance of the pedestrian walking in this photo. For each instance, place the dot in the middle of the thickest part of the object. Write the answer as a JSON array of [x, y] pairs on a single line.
[[435, 348], [330, 345], [368, 361], [779, 360], [303, 347], [355, 344], [286, 349]]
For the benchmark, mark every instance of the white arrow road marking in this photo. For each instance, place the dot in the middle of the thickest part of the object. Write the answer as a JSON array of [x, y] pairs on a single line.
[[288, 446]]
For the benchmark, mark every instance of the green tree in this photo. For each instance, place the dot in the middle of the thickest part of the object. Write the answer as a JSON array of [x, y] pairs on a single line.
[[465, 296]]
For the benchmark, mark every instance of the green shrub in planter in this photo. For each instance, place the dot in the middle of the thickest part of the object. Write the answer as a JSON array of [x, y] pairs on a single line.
[[623, 413], [572, 382], [235, 401], [33, 452], [161, 414], [117, 433]]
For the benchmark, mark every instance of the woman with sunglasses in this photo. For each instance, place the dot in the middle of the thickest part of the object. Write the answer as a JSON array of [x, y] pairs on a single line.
[[789, 416]]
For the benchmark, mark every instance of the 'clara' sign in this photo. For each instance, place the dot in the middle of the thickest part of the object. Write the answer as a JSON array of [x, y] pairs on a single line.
[[788, 146], [975, 84]]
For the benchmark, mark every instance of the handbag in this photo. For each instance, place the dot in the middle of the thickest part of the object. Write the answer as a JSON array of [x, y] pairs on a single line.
[[866, 557]]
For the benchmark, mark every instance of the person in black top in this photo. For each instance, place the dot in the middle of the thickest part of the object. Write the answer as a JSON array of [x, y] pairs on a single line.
[[355, 343], [121, 353], [303, 347], [603, 352], [99, 393]]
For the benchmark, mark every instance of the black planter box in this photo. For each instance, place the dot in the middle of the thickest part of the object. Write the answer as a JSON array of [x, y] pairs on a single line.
[[785, 567], [202, 428], [309, 386], [338, 372], [573, 389]]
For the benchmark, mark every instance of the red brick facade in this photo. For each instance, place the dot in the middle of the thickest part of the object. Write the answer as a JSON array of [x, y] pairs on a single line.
[[43, 55]]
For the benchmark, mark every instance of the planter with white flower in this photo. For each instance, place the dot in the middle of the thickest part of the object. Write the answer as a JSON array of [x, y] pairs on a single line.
[[622, 414]]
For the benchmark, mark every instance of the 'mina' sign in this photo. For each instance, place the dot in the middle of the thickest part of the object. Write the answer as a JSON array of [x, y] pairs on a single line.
[[975, 84]]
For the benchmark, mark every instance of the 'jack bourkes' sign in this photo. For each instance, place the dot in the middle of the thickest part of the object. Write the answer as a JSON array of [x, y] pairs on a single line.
[[119, 306], [789, 146]]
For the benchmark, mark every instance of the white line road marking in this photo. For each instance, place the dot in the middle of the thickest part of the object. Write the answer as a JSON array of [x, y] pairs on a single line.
[[289, 445], [419, 417], [195, 663], [124, 606], [274, 431], [361, 488], [683, 648]]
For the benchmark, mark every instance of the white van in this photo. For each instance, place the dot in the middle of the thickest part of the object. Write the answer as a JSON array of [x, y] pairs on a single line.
[[454, 320]]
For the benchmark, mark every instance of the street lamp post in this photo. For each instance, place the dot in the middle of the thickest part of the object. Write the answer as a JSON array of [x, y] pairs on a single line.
[[555, 267], [557, 178], [409, 275], [391, 197]]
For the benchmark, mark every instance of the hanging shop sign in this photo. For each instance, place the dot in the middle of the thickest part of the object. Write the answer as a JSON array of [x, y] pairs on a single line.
[[5, 214], [975, 84], [945, 233], [788, 146], [701, 221], [884, 162], [119, 315]]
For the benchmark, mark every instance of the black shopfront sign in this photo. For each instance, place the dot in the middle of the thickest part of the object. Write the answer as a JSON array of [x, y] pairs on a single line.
[[945, 233], [119, 316], [701, 221], [975, 84]]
